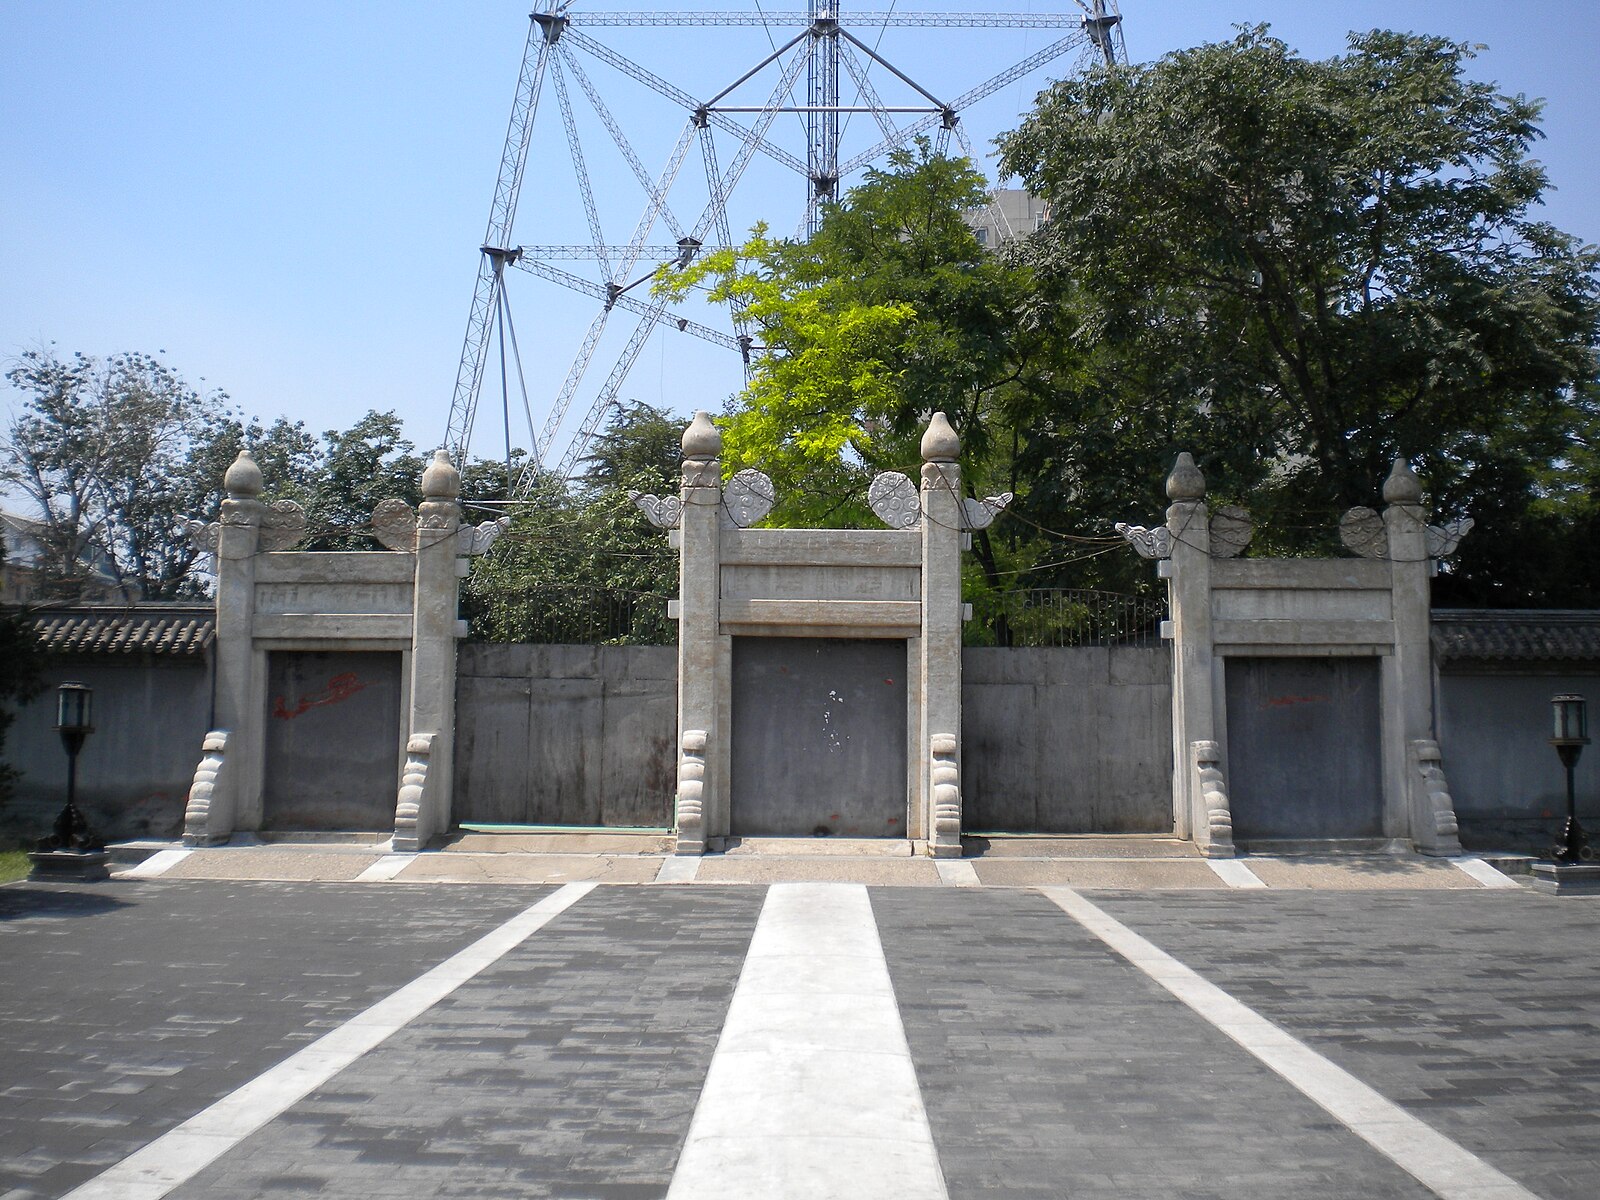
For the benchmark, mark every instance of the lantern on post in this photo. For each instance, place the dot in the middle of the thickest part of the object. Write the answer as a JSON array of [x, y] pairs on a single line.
[[1571, 735], [71, 851]]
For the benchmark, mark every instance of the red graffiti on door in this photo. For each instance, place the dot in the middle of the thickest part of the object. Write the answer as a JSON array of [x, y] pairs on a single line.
[[1286, 701], [340, 687]]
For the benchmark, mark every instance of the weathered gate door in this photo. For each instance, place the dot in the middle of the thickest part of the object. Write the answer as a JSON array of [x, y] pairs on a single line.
[[819, 737], [1304, 754], [333, 740]]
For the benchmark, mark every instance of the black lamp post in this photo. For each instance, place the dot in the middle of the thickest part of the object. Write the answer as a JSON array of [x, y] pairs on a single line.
[[71, 850], [1571, 736]]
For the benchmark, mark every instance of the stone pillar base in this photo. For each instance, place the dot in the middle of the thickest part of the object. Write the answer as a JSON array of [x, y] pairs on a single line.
[[1567, 879], [69, 866]]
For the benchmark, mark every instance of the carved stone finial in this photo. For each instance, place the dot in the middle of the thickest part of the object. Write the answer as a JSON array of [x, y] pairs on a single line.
[[702, 439], [748, 497], [940, 443], [243, 478], [440, 479], [1186, 482], [894, 498], [1402, 486]]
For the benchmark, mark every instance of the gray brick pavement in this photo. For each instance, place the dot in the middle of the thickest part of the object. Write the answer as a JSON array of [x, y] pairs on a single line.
[[1481, 1016], [126, 1008], [570, 1068], [1050, 1068]]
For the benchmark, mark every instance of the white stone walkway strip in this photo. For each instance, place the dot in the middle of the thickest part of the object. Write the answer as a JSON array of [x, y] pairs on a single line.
[[957, 872], [182, 1153], [1484, 873], [157, 865], [1439, 1164], [811, 1093], [1234, 873], [679, 868], [386, 868]]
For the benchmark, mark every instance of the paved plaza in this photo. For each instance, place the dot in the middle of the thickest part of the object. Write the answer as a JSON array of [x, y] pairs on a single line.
[[329, 1022]]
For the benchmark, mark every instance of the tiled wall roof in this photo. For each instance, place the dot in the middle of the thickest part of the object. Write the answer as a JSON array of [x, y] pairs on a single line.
[[171, 630], [1517, 635]]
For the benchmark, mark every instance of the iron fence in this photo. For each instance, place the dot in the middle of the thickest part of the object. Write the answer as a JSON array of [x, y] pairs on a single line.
[[582, 615], [1065, 617]]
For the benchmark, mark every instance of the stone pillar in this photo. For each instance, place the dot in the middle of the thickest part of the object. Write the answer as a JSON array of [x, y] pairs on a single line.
[[239, 708], [701, 804], [1198, 772], [1413, 780], [939, 666], [433, 652]]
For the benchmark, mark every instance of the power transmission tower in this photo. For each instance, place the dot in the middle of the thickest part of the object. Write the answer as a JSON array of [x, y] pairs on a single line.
[[559, 56]]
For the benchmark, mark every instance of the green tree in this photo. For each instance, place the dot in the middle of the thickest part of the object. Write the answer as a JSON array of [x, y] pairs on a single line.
[[891, 311], [583, 564], [358, 467], [21, 678], [1300, 269], [108, 452]]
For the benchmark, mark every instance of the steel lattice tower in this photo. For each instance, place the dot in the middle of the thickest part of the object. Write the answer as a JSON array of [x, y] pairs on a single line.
[[554, 59]]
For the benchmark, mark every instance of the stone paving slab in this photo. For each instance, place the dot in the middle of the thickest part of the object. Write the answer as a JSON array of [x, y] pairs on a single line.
[[891, 871], [127, 1007], [617, 842], [1136, 875], [1051, 1068], [1077, 846], [825, 847], [272, 862], [1478, 1013], [571, 1068], [1346, 874], [529, 868]]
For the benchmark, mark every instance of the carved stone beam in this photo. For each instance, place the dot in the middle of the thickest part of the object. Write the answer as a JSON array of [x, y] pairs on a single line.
[[1150, 543], [664, 512], [980, 514], [472, 540]]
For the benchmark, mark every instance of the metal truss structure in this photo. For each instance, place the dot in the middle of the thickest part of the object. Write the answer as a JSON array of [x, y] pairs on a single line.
[[560, 56]]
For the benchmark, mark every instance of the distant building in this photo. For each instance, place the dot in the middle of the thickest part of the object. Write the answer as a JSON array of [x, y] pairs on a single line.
[[26, 579], [1013, 214]]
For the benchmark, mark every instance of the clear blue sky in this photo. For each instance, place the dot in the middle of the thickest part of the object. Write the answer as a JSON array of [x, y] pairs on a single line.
[[287, 198]]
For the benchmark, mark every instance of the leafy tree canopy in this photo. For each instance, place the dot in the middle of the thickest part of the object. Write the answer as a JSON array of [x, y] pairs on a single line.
[[1300, 269], [112, 454], [892, 310], [583, 564]]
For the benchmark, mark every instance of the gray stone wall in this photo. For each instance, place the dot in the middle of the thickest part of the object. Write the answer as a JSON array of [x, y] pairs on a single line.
[[1056, 740], [135, 768], [565, 735], [1067, 740], [1509, 787]]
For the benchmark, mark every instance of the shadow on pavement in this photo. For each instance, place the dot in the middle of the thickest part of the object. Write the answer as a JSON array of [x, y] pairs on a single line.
[[82, 900]]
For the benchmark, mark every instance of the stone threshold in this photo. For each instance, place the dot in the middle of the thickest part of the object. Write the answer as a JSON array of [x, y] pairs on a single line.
[[815, 847]]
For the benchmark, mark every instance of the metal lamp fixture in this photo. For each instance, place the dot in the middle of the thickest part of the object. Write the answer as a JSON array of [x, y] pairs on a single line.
[[74, 722], [74, 711], [1571, 726]]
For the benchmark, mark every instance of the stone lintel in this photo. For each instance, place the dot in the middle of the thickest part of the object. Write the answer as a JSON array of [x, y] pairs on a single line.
[[1310, 573], [324, 627], [821, 547], [1303, 633], [816, 618], [353, 566]]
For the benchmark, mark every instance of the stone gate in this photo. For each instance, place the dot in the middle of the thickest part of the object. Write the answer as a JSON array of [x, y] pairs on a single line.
[[819, 670]]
